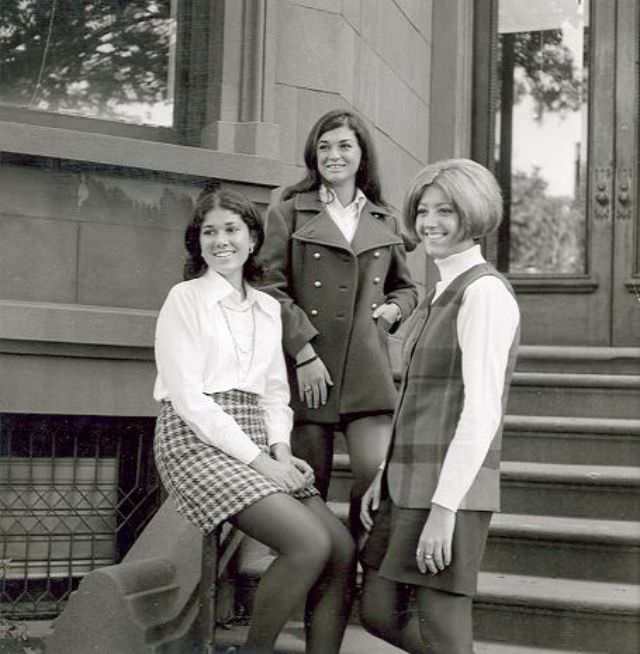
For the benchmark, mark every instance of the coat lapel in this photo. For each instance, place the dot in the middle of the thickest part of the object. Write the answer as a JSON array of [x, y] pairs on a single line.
[[316, 225], [371, 232]]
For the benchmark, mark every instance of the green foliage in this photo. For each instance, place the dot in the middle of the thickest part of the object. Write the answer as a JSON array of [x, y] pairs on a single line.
[[76, 55], [547, 233]]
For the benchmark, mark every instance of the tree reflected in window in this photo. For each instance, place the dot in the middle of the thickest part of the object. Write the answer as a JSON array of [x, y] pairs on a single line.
[[541, 130], [109, 59]]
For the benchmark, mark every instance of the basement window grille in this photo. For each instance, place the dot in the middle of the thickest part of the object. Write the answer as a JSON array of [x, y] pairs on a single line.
[[75, 492]]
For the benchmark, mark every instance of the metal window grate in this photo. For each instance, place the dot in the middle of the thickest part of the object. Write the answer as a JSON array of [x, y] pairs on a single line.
[[75, 492]]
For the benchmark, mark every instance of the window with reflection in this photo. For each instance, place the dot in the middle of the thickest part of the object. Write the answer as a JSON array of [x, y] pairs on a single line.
[[112, 59], [541, 135]]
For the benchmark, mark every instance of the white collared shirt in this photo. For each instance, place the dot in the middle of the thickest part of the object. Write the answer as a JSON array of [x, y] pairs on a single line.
[[486, 324], [346, 218], [196, 355]]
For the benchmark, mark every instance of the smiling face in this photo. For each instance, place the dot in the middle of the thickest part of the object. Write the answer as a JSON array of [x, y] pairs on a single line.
[[438, 224], [339, 154], [226, 242]]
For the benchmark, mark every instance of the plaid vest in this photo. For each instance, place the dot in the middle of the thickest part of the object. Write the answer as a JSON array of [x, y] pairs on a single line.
[[430, 401]]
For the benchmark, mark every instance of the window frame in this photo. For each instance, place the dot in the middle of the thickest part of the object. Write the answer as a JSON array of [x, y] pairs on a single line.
[[484, 101], [194, 68]]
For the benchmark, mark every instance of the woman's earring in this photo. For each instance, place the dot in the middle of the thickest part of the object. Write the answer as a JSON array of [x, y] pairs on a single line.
[[251, 249]]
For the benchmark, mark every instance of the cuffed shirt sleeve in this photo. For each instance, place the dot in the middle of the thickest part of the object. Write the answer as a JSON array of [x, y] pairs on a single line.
[[275, 401]]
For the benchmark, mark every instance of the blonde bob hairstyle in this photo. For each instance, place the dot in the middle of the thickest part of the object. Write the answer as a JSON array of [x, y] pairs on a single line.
[[472, 189]]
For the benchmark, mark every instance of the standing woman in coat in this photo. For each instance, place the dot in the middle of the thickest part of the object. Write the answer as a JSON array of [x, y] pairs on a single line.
[[222, 436], [336, 262], [440, 483]]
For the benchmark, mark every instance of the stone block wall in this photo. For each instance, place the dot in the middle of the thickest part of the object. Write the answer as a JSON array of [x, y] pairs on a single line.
[[373, 56]]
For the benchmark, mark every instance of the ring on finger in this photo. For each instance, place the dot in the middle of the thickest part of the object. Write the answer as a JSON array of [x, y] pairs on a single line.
[[308, 388]]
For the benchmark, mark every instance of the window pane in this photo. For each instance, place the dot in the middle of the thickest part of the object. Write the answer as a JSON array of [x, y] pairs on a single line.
[[108, 59], [542, 134]]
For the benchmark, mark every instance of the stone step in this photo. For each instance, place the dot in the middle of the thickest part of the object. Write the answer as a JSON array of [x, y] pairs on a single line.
[[581, 359], [567, 439], [559, 358], [575, 394], [563, 613], [516, 613], [576, 548], [587, 491], [359, 641], [527, 611]]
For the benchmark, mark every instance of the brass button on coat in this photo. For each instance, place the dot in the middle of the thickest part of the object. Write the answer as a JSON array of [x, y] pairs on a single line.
[[314, 312], [316, 255], [376, 254], [376, 280], [317, 283], [374, 305]]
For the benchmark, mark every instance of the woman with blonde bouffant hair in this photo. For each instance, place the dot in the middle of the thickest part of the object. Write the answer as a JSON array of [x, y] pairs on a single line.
[[429, 507]]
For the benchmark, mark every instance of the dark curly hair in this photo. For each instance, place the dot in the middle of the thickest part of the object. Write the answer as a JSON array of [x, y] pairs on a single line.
[[215, 197], [367, 177]]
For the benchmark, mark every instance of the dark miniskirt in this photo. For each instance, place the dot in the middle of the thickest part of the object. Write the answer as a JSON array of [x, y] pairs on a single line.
[[391, 548]]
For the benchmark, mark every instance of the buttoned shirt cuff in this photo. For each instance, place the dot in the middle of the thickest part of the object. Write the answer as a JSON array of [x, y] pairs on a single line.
[[246, 452], [448, 506], [234, 442], [278, 422], [272, 439]]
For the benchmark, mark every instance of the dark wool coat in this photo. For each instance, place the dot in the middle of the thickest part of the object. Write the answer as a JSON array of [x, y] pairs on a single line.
[[328, 290]]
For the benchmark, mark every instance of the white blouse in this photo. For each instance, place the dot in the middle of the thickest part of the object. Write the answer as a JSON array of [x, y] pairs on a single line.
[[346, 218], [196, 354], [487, 322]]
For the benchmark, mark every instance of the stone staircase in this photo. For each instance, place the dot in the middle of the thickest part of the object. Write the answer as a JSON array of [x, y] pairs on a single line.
[[561, 573], [562, 568]]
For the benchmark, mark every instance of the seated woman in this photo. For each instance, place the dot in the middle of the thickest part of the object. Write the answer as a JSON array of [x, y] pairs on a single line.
[[222, 436]]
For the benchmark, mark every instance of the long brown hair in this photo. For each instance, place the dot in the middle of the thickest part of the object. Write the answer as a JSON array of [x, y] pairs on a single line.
[[367, 177]]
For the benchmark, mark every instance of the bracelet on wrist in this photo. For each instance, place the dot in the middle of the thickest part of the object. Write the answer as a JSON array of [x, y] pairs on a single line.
[[306, 361]]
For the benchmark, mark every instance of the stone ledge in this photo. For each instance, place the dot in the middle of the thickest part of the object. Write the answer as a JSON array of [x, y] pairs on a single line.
[[74, 145], [77, 324]]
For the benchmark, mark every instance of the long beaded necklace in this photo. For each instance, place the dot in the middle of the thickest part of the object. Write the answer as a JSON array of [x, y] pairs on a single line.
[[238, 349]]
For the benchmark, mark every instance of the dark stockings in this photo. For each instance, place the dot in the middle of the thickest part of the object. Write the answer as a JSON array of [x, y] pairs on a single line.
[[441, 625], [315, 562], [329, 602], [314, 443], [367, 440]]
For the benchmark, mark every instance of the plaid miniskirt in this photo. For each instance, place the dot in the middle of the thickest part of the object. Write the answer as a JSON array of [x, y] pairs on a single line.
[[207, 485]]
